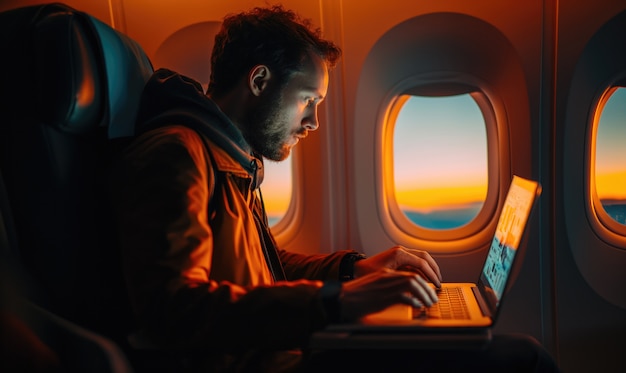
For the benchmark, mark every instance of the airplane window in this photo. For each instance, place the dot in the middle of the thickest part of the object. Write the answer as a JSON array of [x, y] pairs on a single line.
[[610, 158], [277, 188], [440, 160]]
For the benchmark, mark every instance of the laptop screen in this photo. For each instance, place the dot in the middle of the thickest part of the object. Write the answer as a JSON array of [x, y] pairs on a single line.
[[506, 240]]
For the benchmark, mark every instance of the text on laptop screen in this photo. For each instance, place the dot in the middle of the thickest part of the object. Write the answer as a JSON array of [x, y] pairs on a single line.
[[508, 235]]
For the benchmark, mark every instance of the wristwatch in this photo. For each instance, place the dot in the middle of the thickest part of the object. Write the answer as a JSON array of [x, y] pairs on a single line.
[[346, 267]]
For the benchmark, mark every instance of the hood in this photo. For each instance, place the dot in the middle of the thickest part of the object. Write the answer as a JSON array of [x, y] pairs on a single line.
[[171, 98]]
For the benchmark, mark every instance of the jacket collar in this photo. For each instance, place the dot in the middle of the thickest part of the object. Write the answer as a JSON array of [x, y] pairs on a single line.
[[225, 163], [170, 98]]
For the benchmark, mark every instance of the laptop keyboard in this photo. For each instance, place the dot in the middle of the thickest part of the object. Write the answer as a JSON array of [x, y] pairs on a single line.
[[451, 305]]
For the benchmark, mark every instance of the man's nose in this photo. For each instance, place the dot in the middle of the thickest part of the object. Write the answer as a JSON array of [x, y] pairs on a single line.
[[311, 122]]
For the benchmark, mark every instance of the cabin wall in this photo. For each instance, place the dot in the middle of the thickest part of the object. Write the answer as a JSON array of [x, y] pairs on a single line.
[[590, 319]]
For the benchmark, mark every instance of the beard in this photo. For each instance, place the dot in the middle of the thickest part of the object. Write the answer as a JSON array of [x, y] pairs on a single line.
[[266, 129]]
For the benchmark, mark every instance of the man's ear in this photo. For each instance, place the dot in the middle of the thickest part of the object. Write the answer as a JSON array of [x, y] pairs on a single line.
[[258, 79]]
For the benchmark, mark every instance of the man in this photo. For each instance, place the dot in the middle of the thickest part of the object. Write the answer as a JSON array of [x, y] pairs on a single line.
[[203, 269]]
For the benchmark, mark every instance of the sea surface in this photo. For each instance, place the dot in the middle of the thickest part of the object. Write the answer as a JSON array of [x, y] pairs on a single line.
[[454, 218], [616, 210], [457, 217], [445, 218]]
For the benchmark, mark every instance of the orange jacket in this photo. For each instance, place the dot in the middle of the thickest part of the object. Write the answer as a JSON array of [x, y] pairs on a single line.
[[202, 281]]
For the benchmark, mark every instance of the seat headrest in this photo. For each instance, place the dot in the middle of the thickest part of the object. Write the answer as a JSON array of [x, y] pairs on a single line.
[[70, 70], [127, 69]]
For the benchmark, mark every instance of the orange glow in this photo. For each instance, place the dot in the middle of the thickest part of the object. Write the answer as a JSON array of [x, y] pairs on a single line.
[[87, 92], [276, 201], [611, 185], [429, 199]]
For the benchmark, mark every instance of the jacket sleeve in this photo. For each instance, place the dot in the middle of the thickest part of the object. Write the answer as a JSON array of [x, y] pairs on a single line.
[[161, 189], [321, 267]]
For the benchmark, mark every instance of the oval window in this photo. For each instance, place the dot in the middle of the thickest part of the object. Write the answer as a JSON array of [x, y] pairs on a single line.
[[440, 160]]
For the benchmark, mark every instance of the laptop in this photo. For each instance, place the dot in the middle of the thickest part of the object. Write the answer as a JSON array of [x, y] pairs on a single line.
[[465, 311]]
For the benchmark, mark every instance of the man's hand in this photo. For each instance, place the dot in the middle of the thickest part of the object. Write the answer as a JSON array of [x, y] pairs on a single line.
[[401, 258], [397, 275], [378, 290]]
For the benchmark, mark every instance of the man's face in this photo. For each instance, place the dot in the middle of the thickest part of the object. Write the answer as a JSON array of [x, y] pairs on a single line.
[[284, 116]]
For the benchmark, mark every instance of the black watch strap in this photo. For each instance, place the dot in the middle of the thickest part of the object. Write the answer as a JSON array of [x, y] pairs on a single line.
[[346, 267]]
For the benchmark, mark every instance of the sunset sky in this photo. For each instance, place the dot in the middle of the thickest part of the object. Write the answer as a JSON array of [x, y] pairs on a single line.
[[277, 185], [440, 152], [611, 148]]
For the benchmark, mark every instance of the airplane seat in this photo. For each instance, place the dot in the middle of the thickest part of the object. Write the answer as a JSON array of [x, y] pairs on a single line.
[[34, 340], [69, 90]]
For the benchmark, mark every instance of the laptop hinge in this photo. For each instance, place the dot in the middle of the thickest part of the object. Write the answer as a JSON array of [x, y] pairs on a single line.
[[481, 302]]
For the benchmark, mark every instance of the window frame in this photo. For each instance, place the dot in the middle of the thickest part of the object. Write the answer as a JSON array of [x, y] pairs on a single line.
[[611, 231], [478, 232], [446, 49], [489, 205]]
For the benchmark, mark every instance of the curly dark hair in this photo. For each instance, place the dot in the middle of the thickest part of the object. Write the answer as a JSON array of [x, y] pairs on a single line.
[[274, 36]]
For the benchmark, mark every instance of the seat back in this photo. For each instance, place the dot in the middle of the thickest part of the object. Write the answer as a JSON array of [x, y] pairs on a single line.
[[70, 84], [34, 339]]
